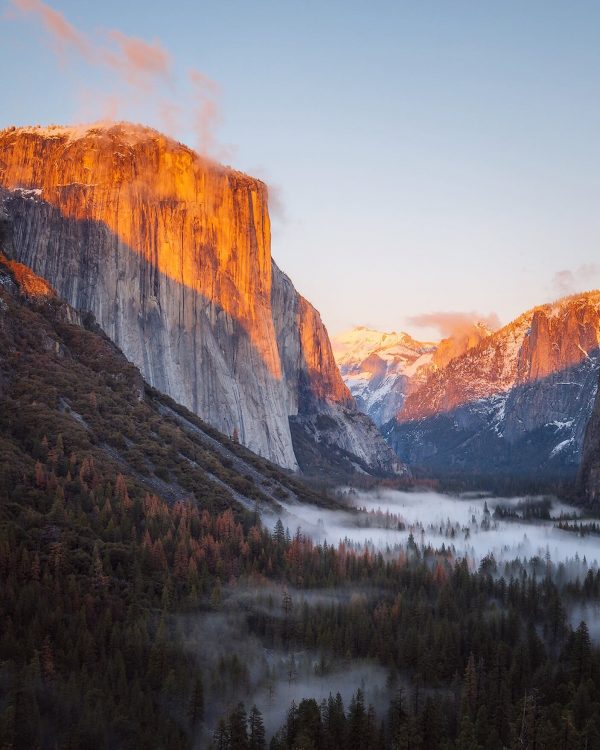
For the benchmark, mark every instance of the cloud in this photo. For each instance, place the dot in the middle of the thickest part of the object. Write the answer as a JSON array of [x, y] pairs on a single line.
[[585, 276], [137, 60], [206, 112], [65, 37], [141, 76], [453, 323], [277, 207]]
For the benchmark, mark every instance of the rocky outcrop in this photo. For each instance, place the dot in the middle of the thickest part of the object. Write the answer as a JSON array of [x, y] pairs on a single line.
[[322, 411], [517, 402], [589, 473], [171, 253]]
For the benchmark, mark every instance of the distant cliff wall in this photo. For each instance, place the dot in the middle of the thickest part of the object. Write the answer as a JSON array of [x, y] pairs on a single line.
[[589, 473]]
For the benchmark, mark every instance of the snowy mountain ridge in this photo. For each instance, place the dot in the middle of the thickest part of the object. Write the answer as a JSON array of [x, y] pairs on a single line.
[[381, 369], [516, 403]]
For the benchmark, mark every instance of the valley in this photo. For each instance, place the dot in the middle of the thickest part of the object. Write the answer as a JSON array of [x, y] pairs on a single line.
[[226, 525]]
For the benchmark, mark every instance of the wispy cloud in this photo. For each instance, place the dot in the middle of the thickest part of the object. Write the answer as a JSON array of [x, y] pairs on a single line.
[[453, 323], [137, 60], [206, 114], [143, 72], [570, 281], [64, 36]]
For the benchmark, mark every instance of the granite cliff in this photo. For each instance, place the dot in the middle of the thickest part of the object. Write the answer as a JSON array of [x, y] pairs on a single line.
[[171, 254]]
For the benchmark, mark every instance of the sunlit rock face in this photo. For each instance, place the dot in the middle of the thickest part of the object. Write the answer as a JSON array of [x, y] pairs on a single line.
[[171, 253], [518, 401]]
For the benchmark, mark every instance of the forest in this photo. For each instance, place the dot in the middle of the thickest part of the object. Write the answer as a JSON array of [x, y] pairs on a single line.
[[96, 575]]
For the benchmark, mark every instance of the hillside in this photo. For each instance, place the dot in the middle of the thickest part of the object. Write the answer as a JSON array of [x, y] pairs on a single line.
[[61, 376]]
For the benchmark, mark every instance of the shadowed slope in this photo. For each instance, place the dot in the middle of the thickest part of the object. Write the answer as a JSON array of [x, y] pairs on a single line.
[[59, 377]]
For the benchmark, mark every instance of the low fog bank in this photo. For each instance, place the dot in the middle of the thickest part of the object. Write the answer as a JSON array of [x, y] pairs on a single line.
[[239, 666], [384, 519]]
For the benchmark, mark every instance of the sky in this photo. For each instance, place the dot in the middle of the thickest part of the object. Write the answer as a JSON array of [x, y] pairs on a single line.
[[426, 157]]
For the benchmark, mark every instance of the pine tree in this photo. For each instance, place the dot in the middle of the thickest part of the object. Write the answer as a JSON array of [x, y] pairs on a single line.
[[279, 532], [238, 728], [581, 651], [357, 717], [221, 736], [256, 730]]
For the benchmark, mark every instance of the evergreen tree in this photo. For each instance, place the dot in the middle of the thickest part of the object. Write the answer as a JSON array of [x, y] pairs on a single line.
[[256, 730], [237, 728]]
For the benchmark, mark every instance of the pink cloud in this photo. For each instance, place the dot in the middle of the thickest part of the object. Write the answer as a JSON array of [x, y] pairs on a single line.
[[64, 35], [136, 59], [206, 112], [454, 323], [143, 68]]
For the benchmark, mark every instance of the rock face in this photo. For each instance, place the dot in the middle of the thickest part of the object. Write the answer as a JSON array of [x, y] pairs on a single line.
[[516, 403], [382, 369], [589, 472], [171, 253], [322, 411]]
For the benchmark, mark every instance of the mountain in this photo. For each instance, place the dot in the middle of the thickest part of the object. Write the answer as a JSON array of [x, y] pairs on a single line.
[[516, 404], [379, 368], [382, 369], [171, 254]]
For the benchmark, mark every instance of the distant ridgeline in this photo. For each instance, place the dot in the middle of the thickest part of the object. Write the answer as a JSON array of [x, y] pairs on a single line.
[[589, 473], [505, 406]]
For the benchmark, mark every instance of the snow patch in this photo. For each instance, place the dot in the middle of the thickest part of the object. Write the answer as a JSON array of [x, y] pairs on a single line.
[[561, 447]]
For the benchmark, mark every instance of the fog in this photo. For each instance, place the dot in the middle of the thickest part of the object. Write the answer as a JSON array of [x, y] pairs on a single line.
[[269, 672], [590, 613], [239, 667], [383, 519]]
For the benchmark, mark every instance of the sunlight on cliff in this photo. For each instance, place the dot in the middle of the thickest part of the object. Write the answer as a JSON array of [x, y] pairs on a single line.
[[204, 226]]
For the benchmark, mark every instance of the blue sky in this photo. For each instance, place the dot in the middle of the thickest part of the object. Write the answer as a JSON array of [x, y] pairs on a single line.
[[428, 156]]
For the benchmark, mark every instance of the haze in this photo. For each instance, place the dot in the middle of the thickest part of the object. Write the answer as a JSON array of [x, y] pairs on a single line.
[[437, 519]]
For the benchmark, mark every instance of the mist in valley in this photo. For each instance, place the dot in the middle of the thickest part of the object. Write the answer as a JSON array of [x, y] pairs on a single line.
[[241, 643], [240, 666], [469, 526]]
